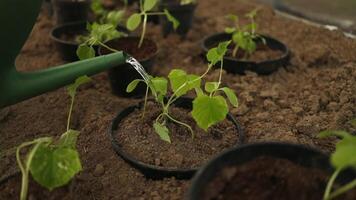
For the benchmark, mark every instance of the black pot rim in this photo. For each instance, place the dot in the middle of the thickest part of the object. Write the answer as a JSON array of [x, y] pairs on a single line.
[[176, 172], [213, 162], [178, 6], [138, 38], [62, 26], [284, 49]]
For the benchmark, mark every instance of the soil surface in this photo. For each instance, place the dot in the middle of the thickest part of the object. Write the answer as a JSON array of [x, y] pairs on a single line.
[[317, 91], [264, 179], [138, 138], [262, 53], [130, 45]]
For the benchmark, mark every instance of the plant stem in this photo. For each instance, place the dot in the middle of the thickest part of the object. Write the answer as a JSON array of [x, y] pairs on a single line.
[[70, 113], [343, 189], [234, 52], [107, 47], [181, 123], [330, 184], [145, 104], [143, 30]]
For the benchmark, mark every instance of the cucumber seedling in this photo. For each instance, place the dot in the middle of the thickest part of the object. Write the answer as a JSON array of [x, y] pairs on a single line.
[[52, 163], [244, 37], [146, 7], [209, 105], [344, 157]]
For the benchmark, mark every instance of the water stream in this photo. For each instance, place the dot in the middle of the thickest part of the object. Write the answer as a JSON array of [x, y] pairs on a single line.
[[139, 68]]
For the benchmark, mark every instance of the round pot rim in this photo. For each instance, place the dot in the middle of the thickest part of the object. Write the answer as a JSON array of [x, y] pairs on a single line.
[[285, 49], [61, 26], [135, 162], [178, 6], [138, 38], [203, 170]]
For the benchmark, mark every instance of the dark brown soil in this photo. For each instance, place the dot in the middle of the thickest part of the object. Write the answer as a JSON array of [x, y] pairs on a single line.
[[262, 53], [138, 138], [317, 91], [267, 178], [130, 46]]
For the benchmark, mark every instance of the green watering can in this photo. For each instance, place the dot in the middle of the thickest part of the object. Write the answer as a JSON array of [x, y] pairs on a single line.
[[17, 18]]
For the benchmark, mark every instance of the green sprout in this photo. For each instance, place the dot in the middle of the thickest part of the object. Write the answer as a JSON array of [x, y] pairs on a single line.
[[145, 10], [344, 157], [209, 106], [186, 2], [52, 163], [244, 37]]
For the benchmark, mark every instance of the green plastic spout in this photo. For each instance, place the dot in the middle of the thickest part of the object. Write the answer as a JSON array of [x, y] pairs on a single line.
[[17, 19]]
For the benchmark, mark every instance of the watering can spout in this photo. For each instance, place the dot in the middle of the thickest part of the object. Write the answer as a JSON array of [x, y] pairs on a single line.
[[17, 86]]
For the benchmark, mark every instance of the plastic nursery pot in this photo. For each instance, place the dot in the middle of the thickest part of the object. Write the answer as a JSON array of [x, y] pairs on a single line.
[[123, 74], [183, 13], [65, 35], [71, 10], [153, 171], [239, 66], [239, 156]]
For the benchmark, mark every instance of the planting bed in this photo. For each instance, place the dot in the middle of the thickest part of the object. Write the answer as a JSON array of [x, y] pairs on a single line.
[[316, 91]]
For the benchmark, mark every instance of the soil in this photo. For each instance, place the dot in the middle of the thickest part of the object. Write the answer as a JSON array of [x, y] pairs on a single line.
[[263, 179], [139, 139], [130, 46], [262, 53], [317, 91]]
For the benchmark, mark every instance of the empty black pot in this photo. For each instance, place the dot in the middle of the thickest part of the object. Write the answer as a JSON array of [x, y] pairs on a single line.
[[152, 171], [237, 66], [183, 13], [297, 154], [124, 74], [71, 10]]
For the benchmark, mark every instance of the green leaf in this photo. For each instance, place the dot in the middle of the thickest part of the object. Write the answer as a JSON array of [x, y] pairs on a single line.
[[216, 54], [208, 111], [179, 77], [211, 86], [54, 167], [115, 17], [149, 4], [172, 19], [85, 52], [162, 131], [233, 18], [230, 30], [133, 22], [252, 14], [79, 81], [68, 139], [231, 96], [132, 85], [160, 85], [222, 48]]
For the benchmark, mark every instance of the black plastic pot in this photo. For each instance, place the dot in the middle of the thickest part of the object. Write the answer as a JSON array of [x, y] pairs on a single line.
[[71, 10], [123, 74], [237, 66], [67, 48], [183, 13], [297, 154], [152, 171]]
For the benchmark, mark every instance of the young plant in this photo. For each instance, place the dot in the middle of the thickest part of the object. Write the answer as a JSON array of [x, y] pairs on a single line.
[[52, 163], [343, 157], [104, 16], [244, 37], [146, 7], [209, 106]]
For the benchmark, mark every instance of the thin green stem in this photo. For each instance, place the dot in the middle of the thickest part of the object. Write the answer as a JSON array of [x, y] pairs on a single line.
[[70, 113], [343, 189], [330, 184], [181, 123], [143, 29], [107, 47], [234, 52]]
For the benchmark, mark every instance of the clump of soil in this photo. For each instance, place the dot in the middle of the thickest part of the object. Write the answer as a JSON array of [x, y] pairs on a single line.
[[130, 46], [138, 138], [266, 178]]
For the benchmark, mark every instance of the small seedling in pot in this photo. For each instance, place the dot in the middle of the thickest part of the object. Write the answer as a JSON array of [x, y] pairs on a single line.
[[209, 106], [145, 10], [52, 162], [344, 157], [244, 37]]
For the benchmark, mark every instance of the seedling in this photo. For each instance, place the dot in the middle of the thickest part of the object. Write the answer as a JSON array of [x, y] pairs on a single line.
[[186, 2], [244, 37], [209, 106], [52, 163], [343, 157], [104, 16], [145, 10]]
